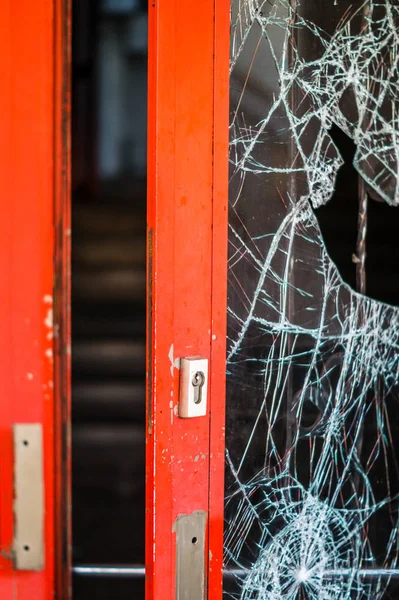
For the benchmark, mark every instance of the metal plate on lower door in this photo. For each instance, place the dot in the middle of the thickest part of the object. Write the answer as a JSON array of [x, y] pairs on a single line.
[[29, 497], [190, 556]]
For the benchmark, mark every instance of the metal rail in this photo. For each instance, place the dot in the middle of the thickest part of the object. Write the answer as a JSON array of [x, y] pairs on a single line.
[[108, 571], [138, 572]]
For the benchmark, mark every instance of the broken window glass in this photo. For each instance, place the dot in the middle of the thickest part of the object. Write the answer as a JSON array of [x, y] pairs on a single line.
[[312, 426]]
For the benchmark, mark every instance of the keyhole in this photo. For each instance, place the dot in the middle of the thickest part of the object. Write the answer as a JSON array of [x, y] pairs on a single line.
[[198, 381]]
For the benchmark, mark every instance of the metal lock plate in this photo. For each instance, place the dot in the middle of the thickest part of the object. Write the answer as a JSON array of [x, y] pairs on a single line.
[[190, 555], [29, 497], [193, 387]]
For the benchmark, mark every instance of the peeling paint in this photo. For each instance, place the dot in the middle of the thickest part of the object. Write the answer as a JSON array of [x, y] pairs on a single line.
[[170, 355], [48, 321]]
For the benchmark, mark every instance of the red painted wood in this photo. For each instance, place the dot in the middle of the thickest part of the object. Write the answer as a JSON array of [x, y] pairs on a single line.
[[27, 188], [187, 224], [62, 298], [219, 297]]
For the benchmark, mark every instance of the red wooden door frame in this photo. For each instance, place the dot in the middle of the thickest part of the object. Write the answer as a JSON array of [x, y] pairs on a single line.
[[34, 259], [187, 220], [187, 264]]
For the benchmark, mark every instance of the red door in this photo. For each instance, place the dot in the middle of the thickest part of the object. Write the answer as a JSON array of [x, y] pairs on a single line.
[[34, 298], [187, 248]]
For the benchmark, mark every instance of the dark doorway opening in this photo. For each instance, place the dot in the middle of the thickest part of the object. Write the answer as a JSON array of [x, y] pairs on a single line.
[[109, 88]]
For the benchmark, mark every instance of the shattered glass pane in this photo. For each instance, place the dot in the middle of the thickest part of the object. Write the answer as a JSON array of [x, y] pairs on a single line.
[[312, 427]]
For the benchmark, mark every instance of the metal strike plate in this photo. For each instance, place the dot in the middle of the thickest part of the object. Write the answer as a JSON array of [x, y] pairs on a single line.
[[190, 555], [193, 387], [28, 497]]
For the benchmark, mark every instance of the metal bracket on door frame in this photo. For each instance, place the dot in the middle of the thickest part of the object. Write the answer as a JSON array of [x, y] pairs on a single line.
[[28, 547], [190, 555]]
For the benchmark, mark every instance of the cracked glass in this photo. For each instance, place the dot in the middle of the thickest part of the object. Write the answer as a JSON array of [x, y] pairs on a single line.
[[312, 426]]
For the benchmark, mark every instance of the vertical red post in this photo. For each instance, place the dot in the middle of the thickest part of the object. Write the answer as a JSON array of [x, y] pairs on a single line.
[[219, 295], [29, 192], [187, 264]]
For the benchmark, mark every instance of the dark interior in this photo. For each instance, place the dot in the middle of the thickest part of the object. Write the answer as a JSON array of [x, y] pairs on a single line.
[[338, 220], [109, 84]]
